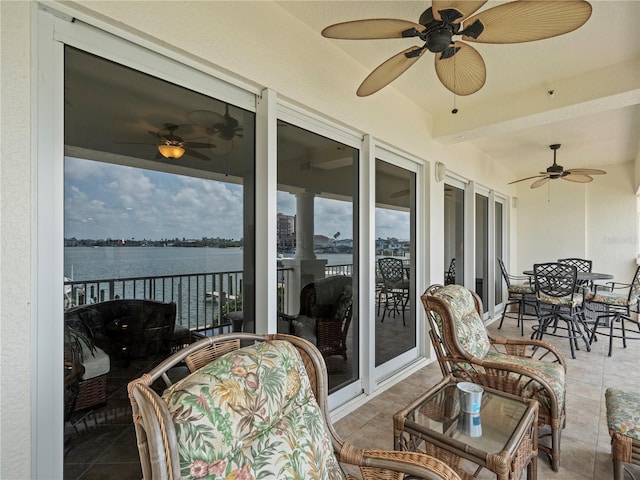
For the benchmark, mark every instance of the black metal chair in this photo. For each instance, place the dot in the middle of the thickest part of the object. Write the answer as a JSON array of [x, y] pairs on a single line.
[[518, 287], [396, 286], [618, 306], [558, 299], [582, 265], [450, 274]]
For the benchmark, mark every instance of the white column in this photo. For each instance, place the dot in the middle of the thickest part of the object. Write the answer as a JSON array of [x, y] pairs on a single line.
[[304, 226]]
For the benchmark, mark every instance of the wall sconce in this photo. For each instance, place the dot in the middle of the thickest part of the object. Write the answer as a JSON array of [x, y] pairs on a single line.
[[440, 171], [171, 151]]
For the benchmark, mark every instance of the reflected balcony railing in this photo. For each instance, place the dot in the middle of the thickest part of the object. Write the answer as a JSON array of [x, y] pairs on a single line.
[[202, 299]]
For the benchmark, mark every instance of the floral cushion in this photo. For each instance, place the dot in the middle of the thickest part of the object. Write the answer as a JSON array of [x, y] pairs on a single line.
[[553, 373], [469, 327], [609, 298], [522, 288], [568, 300], [251, 414], [623, 412]]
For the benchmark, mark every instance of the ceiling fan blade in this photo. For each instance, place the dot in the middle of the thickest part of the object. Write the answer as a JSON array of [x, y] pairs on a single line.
[[578, 178], [181, 133], [528, 178], [463, 73], [586, 171], [465, 8], [526, 21], [197, 145], [539, 183], [388, 71], [221, 147], [372, 29], [196, 154]]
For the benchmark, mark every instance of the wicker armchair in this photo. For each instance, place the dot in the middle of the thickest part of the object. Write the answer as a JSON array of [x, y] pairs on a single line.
[[160, 426], [526, 368]]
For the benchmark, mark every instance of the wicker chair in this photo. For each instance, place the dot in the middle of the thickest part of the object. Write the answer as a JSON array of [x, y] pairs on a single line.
[[159, 424], [518, 289], [325, 315], [623, 412], [526, 368]]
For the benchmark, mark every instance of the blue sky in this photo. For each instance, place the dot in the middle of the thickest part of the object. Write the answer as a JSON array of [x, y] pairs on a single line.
[[113, 201]]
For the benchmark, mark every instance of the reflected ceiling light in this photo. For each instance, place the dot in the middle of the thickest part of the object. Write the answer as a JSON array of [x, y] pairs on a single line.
[[171, 151]]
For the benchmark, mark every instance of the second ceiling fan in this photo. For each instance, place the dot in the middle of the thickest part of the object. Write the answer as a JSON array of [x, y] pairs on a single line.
[[459, 66], [555, 171]]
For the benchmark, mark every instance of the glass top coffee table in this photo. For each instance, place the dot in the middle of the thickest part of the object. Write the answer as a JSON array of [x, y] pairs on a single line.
[[503, 438]]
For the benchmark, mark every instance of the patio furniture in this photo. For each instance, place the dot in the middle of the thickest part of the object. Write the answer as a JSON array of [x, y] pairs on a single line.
[[132, 328], [623, 422], [502, 438], [522, 367], [450, 274], [558, 300], [619, 300], [396, 286], [518, 288], [258, 411], [582, 265], [325, 314]]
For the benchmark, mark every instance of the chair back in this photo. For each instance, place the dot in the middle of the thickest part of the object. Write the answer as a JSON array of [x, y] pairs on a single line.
[[505, 274], [555, 279], [634, 290], [450, 275], [580, 263], [457, 329], [392, 271]]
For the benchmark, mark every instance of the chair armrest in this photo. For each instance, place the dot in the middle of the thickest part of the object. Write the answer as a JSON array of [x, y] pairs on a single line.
[[377, 464], [286, 317], [540, 349]]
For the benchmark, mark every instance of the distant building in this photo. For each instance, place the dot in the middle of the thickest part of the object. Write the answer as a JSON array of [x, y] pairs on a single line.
[[286, 232]]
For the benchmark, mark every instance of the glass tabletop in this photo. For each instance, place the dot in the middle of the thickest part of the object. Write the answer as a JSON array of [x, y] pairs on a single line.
[[489, 431]]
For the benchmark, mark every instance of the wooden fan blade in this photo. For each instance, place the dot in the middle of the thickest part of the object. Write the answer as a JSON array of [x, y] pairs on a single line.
[[586, 171], [465, 7], [539, 183], [376, 28], [526, 21], [528, 178], [388, 71], [463, 73], [578, 178]]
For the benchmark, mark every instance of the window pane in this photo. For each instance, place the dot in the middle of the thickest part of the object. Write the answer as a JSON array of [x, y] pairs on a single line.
[[317, 241], [453, 235], [482, 249], [499, 253]]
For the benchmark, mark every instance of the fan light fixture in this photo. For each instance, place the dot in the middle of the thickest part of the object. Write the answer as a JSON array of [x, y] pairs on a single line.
[[171, 151]]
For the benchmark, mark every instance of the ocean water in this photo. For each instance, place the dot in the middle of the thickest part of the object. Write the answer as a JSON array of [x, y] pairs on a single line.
[[86, 263]]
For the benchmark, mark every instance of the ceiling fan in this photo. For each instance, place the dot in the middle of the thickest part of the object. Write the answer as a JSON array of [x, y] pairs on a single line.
[[223, 127], [555, 171], [171, 145], [459, 66]]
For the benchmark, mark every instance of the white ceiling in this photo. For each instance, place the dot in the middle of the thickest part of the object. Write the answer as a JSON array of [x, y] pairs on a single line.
[[594, 73]]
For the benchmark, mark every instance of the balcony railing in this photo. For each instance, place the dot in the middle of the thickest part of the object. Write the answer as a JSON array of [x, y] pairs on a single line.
[[202, 299]]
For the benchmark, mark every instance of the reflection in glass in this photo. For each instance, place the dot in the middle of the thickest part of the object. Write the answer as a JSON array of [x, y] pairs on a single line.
[[453, 235], [499, 253], [482, 249], [317, 238], [394, 227]]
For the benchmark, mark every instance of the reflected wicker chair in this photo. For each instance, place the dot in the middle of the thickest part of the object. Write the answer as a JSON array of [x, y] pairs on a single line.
[[518, 288], [559, 299], [620, 300], [522, 367], [396, 286], [154, 415]]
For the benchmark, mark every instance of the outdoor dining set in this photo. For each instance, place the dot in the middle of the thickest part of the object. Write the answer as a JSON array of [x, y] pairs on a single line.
[[567, 299]]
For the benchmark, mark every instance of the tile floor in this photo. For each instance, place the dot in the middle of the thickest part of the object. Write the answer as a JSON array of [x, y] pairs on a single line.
[[102, 441]]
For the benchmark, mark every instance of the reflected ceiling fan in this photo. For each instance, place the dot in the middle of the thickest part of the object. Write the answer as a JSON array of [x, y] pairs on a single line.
[[172, 145], [555, 171], [459, 66], [222, 127]]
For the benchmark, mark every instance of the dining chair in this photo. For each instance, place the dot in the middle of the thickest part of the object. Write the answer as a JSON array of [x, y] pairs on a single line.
[[619, 300], [558, 299], [450, 274], [396, 286], [582, 265], [518, 287]]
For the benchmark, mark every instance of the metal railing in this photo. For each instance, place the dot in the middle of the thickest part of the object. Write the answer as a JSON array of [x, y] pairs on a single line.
[[202, 299]]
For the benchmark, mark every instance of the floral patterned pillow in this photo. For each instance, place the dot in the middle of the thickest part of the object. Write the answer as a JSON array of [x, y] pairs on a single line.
[[251, 414], [469, 327]]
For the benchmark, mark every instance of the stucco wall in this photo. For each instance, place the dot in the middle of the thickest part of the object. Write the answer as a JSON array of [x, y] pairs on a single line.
[[15, 247]]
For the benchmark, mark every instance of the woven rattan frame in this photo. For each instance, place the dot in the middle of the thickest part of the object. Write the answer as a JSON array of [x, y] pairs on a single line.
[[157, 443], [499, 376]]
